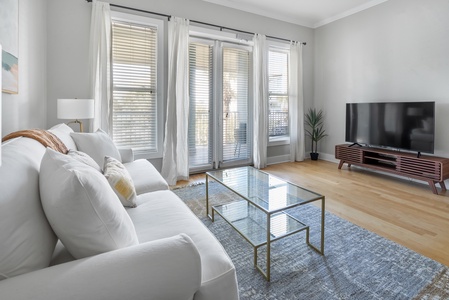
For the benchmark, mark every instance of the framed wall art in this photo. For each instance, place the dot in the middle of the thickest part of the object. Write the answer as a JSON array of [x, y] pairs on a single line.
[[9, 38]]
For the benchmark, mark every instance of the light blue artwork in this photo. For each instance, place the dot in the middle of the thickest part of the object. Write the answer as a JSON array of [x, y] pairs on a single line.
[[9, 39]]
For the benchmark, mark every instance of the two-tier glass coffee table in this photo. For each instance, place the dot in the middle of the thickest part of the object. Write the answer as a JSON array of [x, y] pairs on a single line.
[[261, 216]]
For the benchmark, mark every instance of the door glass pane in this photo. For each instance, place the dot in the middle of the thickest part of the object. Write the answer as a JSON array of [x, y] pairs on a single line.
[[278, 91], [201, 94], [236, 138]]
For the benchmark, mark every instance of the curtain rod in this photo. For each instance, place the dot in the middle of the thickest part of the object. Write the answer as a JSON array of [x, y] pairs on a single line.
[[197, 22]]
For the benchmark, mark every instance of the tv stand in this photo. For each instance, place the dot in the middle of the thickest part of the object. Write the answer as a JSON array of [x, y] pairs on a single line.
[[432, 169]]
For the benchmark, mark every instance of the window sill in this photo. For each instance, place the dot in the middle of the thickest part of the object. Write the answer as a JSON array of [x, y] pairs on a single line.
[[279, 141], [142, 154]]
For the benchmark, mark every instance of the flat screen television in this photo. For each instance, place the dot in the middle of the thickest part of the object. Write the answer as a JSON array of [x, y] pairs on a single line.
[[404, 125]]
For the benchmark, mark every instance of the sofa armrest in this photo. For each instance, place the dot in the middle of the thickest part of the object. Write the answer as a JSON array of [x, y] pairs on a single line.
[[163, 269], [127, 155]]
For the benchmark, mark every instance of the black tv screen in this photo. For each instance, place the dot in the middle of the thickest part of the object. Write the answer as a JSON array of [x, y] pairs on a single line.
[[404, 125]]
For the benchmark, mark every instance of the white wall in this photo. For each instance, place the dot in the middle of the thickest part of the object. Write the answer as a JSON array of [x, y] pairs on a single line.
[[396, 51], [68, 27], [28, 108]]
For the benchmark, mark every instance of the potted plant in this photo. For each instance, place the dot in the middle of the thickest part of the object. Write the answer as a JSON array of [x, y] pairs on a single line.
[[314, 120]]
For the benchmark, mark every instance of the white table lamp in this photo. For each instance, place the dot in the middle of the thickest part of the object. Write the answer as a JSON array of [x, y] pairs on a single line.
[[76, 109]]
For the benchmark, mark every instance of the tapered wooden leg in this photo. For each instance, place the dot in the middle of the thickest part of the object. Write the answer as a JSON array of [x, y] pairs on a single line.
[[433, 187], [341, 164], [443, 185]]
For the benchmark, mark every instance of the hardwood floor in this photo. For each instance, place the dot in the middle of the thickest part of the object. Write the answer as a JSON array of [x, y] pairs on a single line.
[[401, 210]]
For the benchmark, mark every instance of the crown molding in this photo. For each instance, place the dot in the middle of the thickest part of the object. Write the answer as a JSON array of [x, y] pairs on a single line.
[[297, 21], [347, 13], [262, 12]]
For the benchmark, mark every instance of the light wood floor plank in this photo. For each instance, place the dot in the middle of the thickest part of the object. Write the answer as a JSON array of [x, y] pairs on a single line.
[[399, 209]]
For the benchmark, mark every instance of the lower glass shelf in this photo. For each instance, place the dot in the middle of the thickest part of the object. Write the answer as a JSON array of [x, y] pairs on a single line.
[[251, 222]]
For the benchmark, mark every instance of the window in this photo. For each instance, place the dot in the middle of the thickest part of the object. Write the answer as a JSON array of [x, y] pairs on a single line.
[[235, 99], [278, 94], [219, 120], [201, 97], [136, 108]]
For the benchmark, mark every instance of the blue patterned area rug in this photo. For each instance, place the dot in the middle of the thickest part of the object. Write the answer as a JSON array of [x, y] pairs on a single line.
[[357, 264]]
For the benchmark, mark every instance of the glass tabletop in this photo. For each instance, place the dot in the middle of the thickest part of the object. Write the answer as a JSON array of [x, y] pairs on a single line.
[[266, 191]]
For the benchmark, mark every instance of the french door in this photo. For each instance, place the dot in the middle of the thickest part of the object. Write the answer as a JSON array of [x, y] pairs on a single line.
[[220, 126]]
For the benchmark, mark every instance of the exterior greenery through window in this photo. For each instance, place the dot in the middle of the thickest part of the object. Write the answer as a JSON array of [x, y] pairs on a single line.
[[278, 93], [134, 79]]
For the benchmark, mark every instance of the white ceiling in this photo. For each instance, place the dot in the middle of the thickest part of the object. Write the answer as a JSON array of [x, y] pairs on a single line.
[[309, 13]]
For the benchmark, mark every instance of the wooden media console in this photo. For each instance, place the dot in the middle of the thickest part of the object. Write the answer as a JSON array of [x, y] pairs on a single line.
[[432, 169]]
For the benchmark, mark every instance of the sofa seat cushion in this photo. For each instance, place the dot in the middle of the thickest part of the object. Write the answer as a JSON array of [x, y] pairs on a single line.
[[26, 238], [162, 214], [145, 176], [60, 255]]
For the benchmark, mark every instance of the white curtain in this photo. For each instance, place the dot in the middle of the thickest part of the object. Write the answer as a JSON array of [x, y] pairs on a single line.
[[260, 90], [296, 103], [100, 64], [175, 164]]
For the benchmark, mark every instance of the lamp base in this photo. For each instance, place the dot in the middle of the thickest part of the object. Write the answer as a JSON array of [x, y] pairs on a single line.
[[79, 122]]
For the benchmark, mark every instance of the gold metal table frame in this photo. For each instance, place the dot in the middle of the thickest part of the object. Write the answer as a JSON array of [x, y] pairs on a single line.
[[261, 214]]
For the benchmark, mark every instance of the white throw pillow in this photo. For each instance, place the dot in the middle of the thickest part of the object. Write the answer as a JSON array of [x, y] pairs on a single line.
[[81, 207], [97, 145], [84, 158], [120, 181]]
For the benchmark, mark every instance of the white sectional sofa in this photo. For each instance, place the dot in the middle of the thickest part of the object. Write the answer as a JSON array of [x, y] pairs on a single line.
[[176, 257]]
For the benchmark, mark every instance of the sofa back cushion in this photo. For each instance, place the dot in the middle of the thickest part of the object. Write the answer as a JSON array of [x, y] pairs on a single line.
[[82, 208], [97, 145], [26, 238], [62, 131]]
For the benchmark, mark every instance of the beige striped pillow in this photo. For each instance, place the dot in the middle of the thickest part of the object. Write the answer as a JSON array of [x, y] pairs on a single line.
[[120, 181]]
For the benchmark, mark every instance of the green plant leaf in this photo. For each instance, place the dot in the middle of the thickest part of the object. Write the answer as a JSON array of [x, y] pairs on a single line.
[[315, 122]]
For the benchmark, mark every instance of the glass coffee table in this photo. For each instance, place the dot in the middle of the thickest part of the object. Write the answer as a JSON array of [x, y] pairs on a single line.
[[261, 216]]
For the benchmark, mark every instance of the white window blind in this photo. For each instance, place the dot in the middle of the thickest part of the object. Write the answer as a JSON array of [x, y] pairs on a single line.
[[201, 95], [278, 93], [236, 136], [134, 78]]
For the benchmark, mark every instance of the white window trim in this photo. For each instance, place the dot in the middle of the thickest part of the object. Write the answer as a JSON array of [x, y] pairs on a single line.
[[115, 15], [279, 140], [222, 36]]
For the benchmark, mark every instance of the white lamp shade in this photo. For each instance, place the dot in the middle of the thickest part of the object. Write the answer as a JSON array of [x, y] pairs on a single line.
[[75, 108]]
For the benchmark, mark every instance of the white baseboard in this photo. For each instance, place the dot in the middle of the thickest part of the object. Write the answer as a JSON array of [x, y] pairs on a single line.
[[286, 158], [328, 157], [278, 159]]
